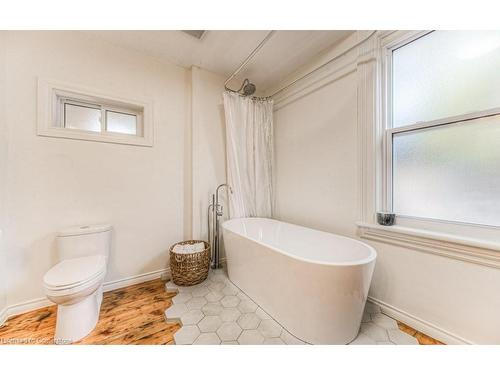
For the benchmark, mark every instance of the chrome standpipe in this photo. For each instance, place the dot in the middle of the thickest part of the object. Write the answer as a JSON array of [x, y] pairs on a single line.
[[215, 212]]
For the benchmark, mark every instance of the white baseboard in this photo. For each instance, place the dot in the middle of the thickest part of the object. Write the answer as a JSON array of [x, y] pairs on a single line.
[[420, 324], [137, 279], [3, 316], [38, 303]]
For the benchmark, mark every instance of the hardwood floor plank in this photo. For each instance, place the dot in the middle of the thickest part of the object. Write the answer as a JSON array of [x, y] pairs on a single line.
[[128, 315]]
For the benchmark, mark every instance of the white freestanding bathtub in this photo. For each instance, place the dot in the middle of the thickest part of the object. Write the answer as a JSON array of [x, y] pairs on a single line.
[[313, 283]]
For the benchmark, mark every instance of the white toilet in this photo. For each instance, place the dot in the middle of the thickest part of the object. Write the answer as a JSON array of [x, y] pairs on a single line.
[[75, 283]]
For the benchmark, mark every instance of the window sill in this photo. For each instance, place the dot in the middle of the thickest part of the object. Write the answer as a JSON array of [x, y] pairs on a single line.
[[466, 249]]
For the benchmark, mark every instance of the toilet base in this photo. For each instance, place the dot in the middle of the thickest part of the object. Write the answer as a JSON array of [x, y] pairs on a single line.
[[76, 321]]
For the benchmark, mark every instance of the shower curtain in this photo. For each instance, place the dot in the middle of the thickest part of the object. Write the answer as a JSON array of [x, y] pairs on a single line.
[[250, 155]]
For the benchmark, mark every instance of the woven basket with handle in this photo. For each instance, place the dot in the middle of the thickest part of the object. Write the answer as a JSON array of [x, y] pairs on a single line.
[[190, 269]]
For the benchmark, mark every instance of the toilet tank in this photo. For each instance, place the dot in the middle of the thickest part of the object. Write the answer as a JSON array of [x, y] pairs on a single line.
[[85, 240]]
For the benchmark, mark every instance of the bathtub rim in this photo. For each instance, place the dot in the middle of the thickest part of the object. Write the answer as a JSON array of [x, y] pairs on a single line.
[[371, 258]]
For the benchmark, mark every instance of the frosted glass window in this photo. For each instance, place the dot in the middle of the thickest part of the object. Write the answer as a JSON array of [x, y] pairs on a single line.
[[449, 172], [118, 122], [445, 73], [82, 118]]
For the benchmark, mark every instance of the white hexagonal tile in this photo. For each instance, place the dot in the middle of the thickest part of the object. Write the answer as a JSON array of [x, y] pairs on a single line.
[[196, 303], [200, 291], [262, 314], [401, 338], [211, 309], [289, 339], [229, 314], [186, 335], [171, 287], [372, 308], [242, 296], [175, 311], [229, 343], [366, 317], [363, 339], [214, 296], [250, 337], [249, 321], [182, 297], [374, 331], [229, 331], [204, 282], [191, 317], [230, 290], [269, 328], [230, 301], [207, 339], [247, 306], [209, 324], [273, 341], [218, 278], [216, 286], [384, 321]]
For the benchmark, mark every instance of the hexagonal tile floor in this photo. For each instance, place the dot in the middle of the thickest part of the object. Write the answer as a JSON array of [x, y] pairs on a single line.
[[216, 312]]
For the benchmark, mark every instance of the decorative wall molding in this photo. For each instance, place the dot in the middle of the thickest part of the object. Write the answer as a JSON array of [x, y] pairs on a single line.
[[328, 74], [420, 324], [315, 83], [38, 303], [455, 247]]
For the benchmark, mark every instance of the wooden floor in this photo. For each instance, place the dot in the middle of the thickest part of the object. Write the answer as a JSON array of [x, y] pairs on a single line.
[[422, 338], [131, 315]]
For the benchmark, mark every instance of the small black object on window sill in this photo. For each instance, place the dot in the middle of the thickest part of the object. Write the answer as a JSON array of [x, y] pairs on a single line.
[[386, 218]]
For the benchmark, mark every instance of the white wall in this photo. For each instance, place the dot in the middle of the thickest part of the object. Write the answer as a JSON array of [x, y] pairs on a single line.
[[53, 182], [208, 145], [318, 182], [309, 145], [3, 161]]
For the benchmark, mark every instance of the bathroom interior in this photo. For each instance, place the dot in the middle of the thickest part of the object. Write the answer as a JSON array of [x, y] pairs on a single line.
[[250, 187]]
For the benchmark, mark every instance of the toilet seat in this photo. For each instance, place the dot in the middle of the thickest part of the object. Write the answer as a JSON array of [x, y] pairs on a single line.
[[73, 275]]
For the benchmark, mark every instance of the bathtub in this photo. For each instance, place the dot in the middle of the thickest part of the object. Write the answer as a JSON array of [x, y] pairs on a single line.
[[313, 283]]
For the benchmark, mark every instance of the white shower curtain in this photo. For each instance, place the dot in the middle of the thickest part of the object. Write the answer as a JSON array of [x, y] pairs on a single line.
[[250, 153]]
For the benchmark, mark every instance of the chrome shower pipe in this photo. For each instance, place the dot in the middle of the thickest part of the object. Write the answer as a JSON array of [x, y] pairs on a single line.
[[210, 219], [215, 211]]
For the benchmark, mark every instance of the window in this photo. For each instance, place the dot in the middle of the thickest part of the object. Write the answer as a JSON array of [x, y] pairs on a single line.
[[443, 127], [97, 115], [72, 112]]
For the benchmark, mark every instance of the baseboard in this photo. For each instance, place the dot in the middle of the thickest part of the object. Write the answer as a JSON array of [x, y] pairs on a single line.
[[420, 324], [3, 316], [137, 279], [20, 308], [38, 303]]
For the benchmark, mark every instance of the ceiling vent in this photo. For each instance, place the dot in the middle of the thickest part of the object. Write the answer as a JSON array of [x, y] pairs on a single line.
[[198, 34]]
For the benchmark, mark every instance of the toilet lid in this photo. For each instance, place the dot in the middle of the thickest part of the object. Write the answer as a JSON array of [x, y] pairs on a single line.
[[75, 271]]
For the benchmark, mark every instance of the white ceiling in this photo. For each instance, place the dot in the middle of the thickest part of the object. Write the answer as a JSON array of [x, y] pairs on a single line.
[[223, 51]]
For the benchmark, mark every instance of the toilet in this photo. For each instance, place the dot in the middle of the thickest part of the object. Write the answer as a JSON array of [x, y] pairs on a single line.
[[75, 283]]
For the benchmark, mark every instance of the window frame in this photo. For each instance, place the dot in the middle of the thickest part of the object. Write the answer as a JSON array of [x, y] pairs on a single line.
[[393, 42], [53, 96]]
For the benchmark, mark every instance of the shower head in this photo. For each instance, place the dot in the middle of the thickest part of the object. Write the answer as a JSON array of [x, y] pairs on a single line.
[[247, 88]]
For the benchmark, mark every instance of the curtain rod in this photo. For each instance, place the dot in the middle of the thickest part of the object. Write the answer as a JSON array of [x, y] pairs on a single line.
[[247, 60], [264, 41], [322, 65]]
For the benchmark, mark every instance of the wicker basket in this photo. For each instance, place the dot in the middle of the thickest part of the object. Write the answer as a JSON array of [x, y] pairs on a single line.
[[189, 269]]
